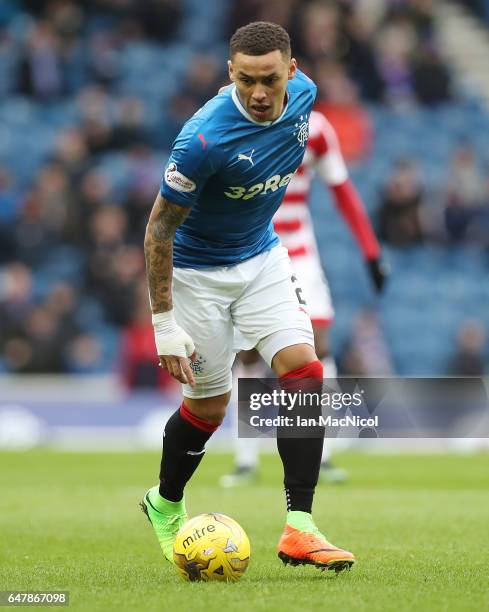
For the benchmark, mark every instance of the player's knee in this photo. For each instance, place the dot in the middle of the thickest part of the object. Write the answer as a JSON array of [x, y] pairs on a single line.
[[209, 409], [309, 379], [293, 358], [215, 417], [312, 370]]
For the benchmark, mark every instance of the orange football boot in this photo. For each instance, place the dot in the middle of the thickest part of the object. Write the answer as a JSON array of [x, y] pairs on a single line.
[[311, 548]]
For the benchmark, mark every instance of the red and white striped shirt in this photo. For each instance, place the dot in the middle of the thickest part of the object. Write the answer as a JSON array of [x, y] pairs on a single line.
[[293, 222]]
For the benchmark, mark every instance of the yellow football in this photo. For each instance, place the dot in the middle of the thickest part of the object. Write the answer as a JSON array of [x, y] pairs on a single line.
[[211, 547]]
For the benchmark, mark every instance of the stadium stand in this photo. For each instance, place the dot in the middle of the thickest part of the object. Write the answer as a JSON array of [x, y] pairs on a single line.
[[92, 94]]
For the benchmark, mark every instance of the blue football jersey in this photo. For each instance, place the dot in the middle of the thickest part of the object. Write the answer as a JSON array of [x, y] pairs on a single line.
[[232, 171]]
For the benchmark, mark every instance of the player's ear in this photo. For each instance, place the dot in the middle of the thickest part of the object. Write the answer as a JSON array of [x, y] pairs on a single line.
[[231, 70], [292, 68]]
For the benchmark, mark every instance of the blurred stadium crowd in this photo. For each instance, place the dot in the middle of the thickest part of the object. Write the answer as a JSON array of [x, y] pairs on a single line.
[[92, 93], [479, 7]]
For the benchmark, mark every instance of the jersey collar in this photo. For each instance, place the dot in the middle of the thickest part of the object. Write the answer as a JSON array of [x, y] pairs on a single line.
[[245, 113]]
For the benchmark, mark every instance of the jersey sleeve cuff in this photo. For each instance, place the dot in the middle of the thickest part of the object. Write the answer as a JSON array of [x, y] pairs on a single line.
[[175, 197]]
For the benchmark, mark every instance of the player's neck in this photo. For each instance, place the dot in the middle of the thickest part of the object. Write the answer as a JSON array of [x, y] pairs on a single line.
[[285, 101], [282, 109]]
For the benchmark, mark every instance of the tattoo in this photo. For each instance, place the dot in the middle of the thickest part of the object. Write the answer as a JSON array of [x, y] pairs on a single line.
[[158, 251]]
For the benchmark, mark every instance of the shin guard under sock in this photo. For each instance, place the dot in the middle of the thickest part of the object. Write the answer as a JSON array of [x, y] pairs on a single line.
[[184, 442], [301, 457]]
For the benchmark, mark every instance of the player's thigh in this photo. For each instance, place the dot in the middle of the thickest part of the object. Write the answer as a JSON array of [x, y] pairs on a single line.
[[270, 314], [204, 313], [249, 358]]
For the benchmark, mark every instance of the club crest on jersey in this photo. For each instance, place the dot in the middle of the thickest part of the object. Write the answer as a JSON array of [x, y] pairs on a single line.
[[302, 130], [197, 366], [177, 181]]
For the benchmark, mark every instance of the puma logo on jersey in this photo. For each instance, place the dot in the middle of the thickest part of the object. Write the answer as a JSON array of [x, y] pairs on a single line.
[[272, 184], [242, 156]]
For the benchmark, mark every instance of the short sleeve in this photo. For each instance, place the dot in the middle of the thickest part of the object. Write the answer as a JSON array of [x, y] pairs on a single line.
[[188, 169], [330, 164]]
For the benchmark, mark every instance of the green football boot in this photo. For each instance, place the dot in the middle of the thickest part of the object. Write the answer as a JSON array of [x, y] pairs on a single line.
[[167, 518]]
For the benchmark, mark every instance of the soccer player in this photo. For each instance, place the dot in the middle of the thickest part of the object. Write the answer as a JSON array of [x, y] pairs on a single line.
[[293, 224], [215, 265]]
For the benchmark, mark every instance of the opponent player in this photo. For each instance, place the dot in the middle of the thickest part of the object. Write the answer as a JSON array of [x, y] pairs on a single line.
[[293, 224], [214, 264]]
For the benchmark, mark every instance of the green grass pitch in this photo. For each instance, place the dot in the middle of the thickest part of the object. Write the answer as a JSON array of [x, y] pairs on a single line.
[[418, 524]]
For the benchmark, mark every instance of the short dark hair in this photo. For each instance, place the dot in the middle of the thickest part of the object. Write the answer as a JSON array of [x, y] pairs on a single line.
[[260, 38]]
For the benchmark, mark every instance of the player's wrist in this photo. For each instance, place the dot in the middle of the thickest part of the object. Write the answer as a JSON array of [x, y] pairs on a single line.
[[170, 338], [164, 323], [162, 317], [379, 272]]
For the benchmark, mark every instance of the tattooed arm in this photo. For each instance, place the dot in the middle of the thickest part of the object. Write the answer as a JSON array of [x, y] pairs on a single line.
[[173, 344], [158, 250]]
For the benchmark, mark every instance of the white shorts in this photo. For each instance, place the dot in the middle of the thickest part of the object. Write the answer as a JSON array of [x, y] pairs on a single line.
[[227, 309], [314, 288]]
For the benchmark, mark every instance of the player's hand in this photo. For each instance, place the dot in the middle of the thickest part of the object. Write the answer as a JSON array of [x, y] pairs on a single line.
[[174, 346], [379, 273]]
